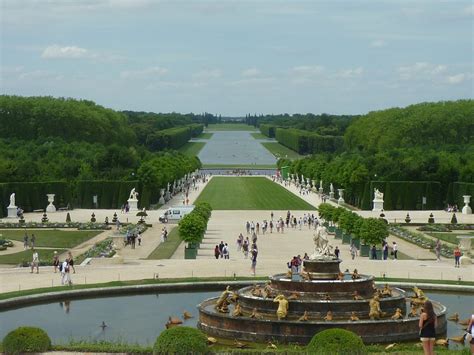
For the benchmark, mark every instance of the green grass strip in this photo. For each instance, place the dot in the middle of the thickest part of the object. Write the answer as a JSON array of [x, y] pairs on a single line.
[[24, 257], [280, 151], [230, 127], [237, 166], [53, 238], [206, 135], [258, 135], [167, 249], [250, 193]]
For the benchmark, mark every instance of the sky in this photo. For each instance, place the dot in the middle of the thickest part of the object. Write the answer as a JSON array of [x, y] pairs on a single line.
[[237, 57]]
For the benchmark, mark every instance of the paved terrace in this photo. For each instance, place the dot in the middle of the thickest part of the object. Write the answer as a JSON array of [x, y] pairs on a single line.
[[274, 251]]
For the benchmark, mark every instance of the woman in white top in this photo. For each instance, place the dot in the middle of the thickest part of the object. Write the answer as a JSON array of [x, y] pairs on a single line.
[[470, 328]]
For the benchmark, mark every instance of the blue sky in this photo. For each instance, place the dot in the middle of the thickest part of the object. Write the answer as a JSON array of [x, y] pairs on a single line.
[[238, 57]]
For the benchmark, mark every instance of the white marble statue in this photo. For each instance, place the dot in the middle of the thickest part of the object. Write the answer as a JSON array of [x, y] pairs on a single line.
[[377, 194], [321, 243], [12, 200], [320, 184], [331, 188], [133, 195]]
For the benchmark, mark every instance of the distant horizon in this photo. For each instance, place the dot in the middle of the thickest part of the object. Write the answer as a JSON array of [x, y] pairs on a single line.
[[237, 57]]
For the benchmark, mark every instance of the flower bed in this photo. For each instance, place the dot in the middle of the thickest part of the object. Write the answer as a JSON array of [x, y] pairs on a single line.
[[445, 227], [420, 239], [38, 225]]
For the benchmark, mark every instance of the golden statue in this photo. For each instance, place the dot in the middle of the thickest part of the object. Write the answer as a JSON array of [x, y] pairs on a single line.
[[304, 317], [306, 276], [356, 296], [340, 276], [224, 308], [398, 314], [282, 310], [355, 275], [353, 317], [237, 311], [329, 316], [326, 297], [289, 274], [375, 311], [255, 314], [223, 298], [257, 291], [419, 298], [386, 291], [267, 290], [294, 296], [413, 311]]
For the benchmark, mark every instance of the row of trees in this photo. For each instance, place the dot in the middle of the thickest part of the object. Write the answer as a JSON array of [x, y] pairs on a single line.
[[172, 138], [305, 142]]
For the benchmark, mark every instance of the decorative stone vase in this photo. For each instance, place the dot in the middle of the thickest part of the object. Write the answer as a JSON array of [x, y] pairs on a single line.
[[50, 208], [340, 201], [466, 209], [161, 201]]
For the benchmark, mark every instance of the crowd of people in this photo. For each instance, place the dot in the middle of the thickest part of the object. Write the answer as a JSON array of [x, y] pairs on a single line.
[[64, 268]]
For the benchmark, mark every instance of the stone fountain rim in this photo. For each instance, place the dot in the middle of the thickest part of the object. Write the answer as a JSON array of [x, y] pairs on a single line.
[[363, 278]]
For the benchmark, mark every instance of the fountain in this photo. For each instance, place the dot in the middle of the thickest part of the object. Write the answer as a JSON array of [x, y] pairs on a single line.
[[291, 309]]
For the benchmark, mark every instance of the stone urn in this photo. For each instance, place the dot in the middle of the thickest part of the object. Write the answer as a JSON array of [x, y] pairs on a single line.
[[50, 207], [341, 196], [465, 246], [466, 209]]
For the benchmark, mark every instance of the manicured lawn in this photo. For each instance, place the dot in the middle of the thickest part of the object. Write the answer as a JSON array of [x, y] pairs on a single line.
[[259, 136], [166, 250], [192, 148], [45, 255], [205, 136], [449, 237], [250, 193], [280, 151], [237, 166], [230, 127], [50, 238]]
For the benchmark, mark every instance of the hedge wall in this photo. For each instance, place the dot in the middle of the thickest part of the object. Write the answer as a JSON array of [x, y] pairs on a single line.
[[32, 195], [404, 195], [173, 138], [305, 142], [455, 192], [267, 130], [111, 194]]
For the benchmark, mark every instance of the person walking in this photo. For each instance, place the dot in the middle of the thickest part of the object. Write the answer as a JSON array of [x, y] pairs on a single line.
[[33, 241], [65, 273], [139, 238], [253, 258], [71, 262], [35, 262], [25, 241], [336, 252], [427, 324], [221, 248], [470, 330], [245, 248], [438, 250], [457, 256], [217, 252], [373, 252], [385, 250], [395, 250], [55, 261], [225, 251], [353, 251]]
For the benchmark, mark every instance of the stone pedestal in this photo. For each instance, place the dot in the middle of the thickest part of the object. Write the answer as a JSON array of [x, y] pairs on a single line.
[[132, 204], [12, 211], [340, 201], [321, 191], [467, 209], [331, 195], [378, 205], [161, 201], [465, 246], [50, 207]]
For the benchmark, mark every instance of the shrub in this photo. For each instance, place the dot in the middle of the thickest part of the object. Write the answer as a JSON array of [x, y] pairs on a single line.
[[26, 340], [181, 340], [336, 341], [373, 230]]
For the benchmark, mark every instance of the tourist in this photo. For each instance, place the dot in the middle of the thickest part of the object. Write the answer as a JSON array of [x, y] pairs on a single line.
[[395, 250], [162, 237], [427, 325], [225, 251], [25, 241], [257, 226], [139, 238], [438, 250], [247, 227], [470, 330], [252, 227], [245, 248], [337, 251], [271, 226], [271, 216], [71, 261], [221, 248], [55, 261], [353, 251], [133, 237], [32, 241], [217, 252], [165, 236], [35, 262], [65, 273], [373, 252], [254, 254], [240, 240], [306, 256], [254, 238], [385, 250], [457, 256]]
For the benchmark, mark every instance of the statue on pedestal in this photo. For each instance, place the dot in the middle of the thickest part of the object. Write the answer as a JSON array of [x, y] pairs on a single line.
[[282, 310], [378, 195], [12, 200], [378, 201], [321, 243], [133, 195], [133, 200], [12, 208]]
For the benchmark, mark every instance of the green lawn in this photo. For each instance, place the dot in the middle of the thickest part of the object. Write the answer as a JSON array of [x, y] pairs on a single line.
[[45, 255], [51, 238], [250, 193], [166, 250], [448, 237], [280, 151], [205, 136], [230, 127], [258, 135], [192, 148], [237, 166]]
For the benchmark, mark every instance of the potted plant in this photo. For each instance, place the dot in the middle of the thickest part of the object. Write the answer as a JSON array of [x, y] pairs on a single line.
[[191, 230], [372, 232]]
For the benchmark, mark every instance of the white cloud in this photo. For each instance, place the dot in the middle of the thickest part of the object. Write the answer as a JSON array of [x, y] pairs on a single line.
[[250, 72], [150, 72], [421, 70], [66, 52], [469, 10], [456, 79], [39, 74], [378, 43], [252, 81], [208, 74], [308, 70], [350, 73]]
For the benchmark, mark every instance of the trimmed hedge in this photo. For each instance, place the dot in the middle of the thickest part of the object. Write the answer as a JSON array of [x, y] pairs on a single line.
[[336, 341], [304, 142], [26, 340], [110, 194], [456, 190], [181, 340], [267, 130], [173, 138]]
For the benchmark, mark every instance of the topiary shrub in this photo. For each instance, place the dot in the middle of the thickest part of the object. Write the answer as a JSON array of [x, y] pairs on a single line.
[[454, 220], [336, 341], [26, 340], [181, 340]]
